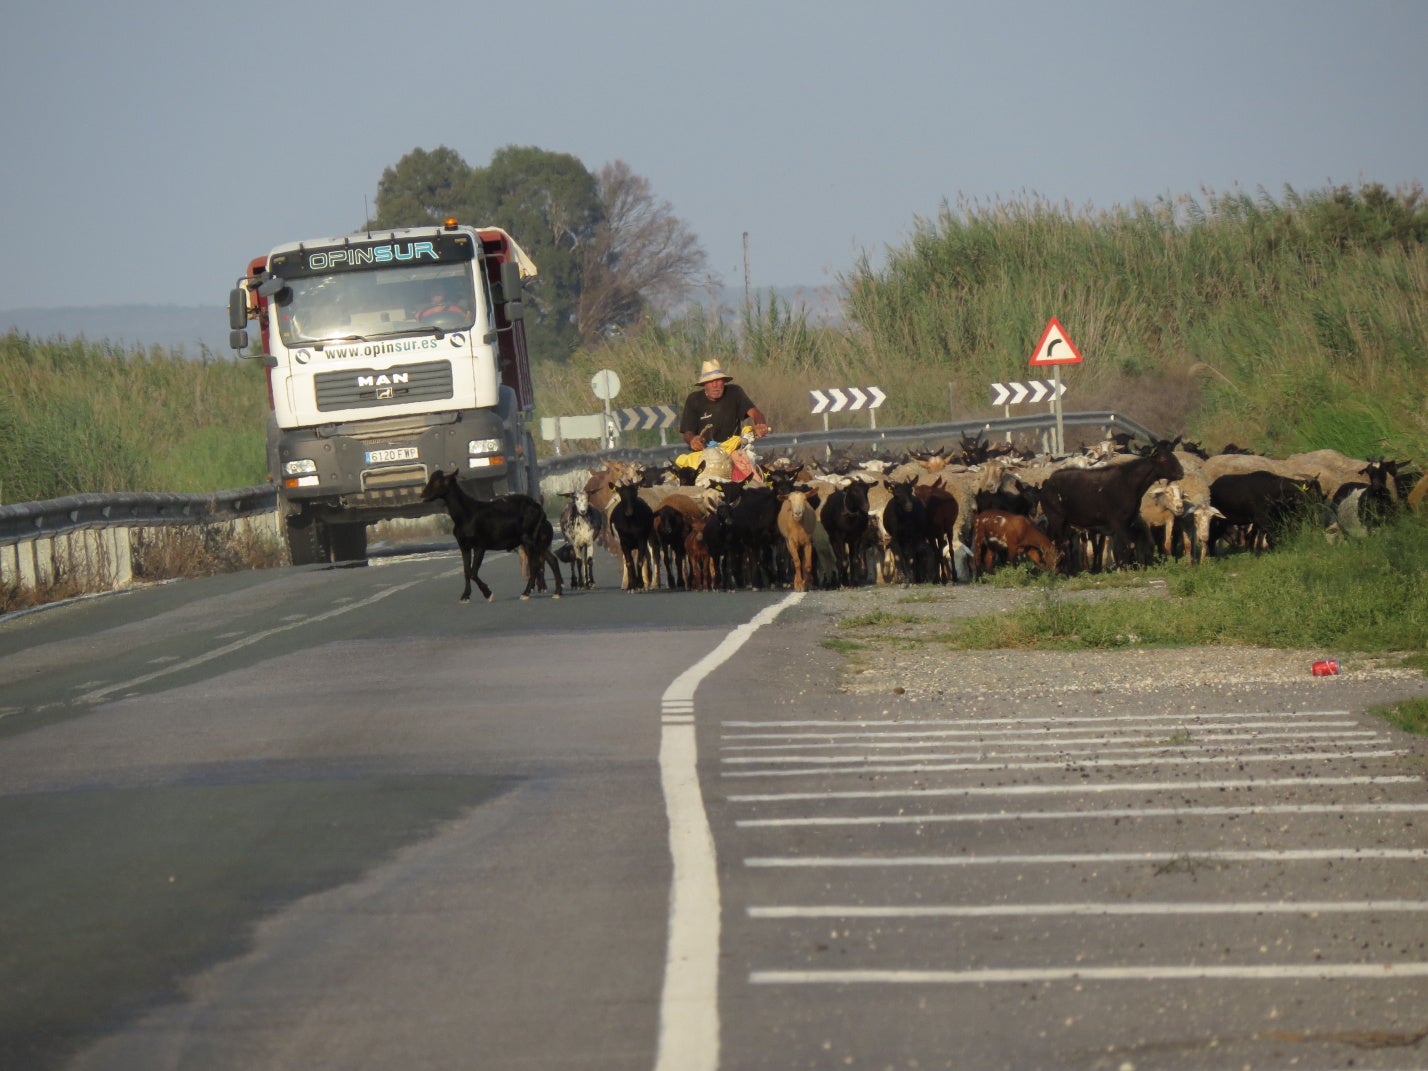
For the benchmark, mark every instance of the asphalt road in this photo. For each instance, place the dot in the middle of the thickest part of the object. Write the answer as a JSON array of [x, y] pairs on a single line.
[[330, 818]]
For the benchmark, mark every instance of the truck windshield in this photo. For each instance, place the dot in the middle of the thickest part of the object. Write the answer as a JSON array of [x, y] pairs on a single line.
[[376, 304]]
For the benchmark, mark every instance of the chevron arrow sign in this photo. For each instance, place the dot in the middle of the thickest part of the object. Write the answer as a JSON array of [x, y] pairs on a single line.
[[1036, 390], [846, 399], [647, 417]]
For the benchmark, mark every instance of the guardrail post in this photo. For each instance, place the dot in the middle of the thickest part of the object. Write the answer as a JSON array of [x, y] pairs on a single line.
[[121, 554], [44, 563], [10, 565]]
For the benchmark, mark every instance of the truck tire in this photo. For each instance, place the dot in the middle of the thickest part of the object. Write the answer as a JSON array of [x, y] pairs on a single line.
[[349, 542], [307, 540]]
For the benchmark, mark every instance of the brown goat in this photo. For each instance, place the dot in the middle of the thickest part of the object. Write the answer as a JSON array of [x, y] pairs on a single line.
[[796, 518], [1009, 537]]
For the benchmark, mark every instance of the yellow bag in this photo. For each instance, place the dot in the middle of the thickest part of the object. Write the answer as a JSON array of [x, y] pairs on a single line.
[[692, 459]]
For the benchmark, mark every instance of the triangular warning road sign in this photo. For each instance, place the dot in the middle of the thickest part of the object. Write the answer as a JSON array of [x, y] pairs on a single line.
[[1055, 347]]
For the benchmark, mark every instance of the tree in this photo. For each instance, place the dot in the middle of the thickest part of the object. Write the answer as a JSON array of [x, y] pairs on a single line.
[[548, 202], [640, 256], [605, 249], [423, 187]]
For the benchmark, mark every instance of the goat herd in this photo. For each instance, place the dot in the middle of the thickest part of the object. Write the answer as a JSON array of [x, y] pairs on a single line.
[[927, 517]]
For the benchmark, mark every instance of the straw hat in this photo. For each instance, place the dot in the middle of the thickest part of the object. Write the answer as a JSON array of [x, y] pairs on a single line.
[[709, 372]]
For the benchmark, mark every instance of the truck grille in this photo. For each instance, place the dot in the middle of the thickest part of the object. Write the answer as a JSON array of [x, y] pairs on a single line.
[[367, 388]]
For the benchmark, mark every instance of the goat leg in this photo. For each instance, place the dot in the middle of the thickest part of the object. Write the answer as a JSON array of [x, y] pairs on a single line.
[[554, 570], [466, 573], [474, 575]]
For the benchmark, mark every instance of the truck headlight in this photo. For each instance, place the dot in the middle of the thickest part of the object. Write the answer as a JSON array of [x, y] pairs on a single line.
[[483, 446], [304, 467]]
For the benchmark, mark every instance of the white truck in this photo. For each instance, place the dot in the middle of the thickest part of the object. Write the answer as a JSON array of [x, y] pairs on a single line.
[[389, 354]]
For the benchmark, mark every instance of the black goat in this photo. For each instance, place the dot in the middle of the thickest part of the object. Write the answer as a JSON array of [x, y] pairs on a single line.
[[910, 533], [632, 518], [509, 522], [753, 532], [845, 519], [671, 532]]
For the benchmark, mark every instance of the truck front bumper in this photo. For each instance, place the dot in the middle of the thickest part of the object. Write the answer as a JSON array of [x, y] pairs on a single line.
[[381, 469]]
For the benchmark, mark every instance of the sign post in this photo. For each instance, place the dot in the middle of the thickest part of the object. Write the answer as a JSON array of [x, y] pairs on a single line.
[[606, 384], [1046, 355]]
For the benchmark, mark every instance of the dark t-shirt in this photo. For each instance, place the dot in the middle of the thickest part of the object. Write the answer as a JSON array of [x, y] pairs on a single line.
[[727, 415]]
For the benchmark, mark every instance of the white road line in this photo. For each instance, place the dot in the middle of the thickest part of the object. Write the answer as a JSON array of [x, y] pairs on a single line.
[[982, 911], [1236, 759], [1389, 972], [1095, 719], [1183, 787], [1116, 813], [293, 621], [1055, 747], [689, 1000], [1282, 855], [833, 739]]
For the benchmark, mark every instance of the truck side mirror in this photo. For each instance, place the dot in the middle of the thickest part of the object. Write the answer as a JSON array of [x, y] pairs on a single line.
[[238, 340], [514, 310], [237, 309], [510, 285], [270, 286]]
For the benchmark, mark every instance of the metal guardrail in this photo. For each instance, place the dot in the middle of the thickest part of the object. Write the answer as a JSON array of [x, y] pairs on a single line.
[[90, 532], [88, 538], [927, 435], [131, 509]]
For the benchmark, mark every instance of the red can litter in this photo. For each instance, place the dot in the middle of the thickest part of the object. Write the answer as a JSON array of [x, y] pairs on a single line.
[[1326, 667]]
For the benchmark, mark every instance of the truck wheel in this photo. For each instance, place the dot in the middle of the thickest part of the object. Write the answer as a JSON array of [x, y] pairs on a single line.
[[307, 540], [349, 542]]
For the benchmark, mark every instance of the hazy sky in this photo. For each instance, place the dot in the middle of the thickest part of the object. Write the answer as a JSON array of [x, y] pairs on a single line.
[[152, 148]]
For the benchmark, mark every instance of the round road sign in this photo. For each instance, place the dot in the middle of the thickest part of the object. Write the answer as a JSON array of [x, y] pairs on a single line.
[[605, 384]]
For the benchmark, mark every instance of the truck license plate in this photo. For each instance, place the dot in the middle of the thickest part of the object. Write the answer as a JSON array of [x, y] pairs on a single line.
[[399, 453]]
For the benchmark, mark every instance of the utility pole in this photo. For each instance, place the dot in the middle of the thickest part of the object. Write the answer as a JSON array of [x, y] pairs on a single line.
[[747, 303]]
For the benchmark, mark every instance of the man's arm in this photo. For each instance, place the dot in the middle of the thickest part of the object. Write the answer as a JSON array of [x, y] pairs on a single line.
[[761, 424]]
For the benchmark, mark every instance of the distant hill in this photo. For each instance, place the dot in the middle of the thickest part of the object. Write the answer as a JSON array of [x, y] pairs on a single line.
[[191, 330], [196, 329]]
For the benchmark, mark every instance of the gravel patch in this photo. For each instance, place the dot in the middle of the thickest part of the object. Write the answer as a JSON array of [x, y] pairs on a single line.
[[911, 662]]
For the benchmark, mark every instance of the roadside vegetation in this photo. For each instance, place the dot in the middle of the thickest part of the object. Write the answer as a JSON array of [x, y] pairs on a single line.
[[80, 417], [1281, 324], [1366, 596]]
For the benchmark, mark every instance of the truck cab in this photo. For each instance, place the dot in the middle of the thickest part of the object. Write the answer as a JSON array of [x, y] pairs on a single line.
[[389, 354]]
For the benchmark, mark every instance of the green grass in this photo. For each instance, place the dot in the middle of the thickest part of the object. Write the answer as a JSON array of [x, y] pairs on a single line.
[[1368, 596], [79, 417], [1411, 715]]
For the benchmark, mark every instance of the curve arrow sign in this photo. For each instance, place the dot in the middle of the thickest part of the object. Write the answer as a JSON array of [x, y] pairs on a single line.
[[1019, 393], [820, 400], [839, 400], [877, 396], [859, 398], [1000, 394], [1039, 390]]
